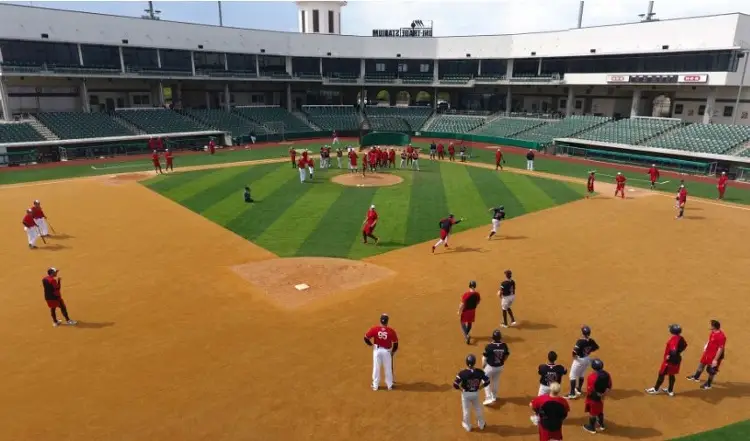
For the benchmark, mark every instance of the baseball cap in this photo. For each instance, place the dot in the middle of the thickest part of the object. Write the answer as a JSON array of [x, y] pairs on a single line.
[[372, 206]]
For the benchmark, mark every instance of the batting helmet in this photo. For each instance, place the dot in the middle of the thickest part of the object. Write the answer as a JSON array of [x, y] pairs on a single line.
[[675, 329], [472, 284], [52, 271], [384, 319], [585, 330], [497, 335], [450, 215], [471, 360], [597, 364], [502, 207]]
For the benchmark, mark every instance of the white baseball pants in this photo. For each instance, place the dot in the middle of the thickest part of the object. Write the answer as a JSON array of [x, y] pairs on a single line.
[[578, 367], [31, 234], [490, 392], [382, 357], [42, 224], [469, 400], [302, 174]]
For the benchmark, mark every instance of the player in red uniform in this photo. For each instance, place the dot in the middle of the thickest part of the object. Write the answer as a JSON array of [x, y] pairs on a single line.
[[384, 158], [31, 228], [451, 152], [302, 167], [499, 159], [373, 159], [40, 218], [409, 151], [598, 383], [653, 175], [590, 184], [352, 161], [722, 185], [441, 151], [335, 138], [467, 310], [681, 201], [54, 300], [157, 163], [211, 146], [550, 411], [445, 230], [293, 156], [713, 355], [620, 180], [392, 158], [369, 224], [169, 157], [384, 341], [670, 364]]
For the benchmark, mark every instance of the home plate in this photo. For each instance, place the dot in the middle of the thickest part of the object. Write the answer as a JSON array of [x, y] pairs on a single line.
[[302, 286]]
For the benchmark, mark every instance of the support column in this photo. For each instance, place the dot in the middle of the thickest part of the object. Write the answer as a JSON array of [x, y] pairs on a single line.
[[257, 66], [289, 97], [435, 72], [710, 106], [161, 94], [321, 66], [539, 68], [84, 92], [158, 58], [122, 61], [509, 70], [4, 105], [289, 67], [80, 55], [192, 62], [362, 69], [570, 103], [508, 101], [227, 97], [479, 68], [208, 99], [435, 99], [226, 62], [635, 104]]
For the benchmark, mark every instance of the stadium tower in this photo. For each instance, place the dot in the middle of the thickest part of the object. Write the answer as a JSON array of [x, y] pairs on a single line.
[[320, 17]]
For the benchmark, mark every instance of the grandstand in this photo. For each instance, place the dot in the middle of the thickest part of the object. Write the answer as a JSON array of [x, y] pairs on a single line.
[[18, 132], [508, 127], [455, 123], [160, 121], [333, 117], [630, 131], [76, 125], [703, 138], [275, 115], [563, 128], [229, 122], [398, 118]]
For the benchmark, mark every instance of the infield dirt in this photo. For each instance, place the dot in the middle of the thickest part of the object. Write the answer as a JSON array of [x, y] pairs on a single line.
[[174, 345]]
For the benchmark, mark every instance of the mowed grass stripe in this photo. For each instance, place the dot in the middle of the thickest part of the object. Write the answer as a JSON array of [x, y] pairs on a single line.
[[462, 194], [494, 192], [203, 182], [286, 235], [233, 206], [528, 193], [560, 192], [392, 204], [230, 185], [271, 208], [166, 184], [340, 225], [427, 205]]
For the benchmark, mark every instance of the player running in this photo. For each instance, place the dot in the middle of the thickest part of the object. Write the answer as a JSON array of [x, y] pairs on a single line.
[[584, 347], [670, 365], [493, 360], [498, 214], [467, 309], [681, 201], [653, 175], [590, 184], [507, 295], [384, 342], [445, 230], [369, 224], [469, 381]]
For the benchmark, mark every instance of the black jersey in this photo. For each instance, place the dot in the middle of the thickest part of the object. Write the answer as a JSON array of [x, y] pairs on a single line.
[[433, 146], [448, 223], [470, 380], [496, 353], [508, 288], [551, 373], [530, 156], [498, 214], [584, 347]]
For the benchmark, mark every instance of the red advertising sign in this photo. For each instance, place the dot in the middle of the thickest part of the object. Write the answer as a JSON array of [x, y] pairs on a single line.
[[618, 78], [692, 79]]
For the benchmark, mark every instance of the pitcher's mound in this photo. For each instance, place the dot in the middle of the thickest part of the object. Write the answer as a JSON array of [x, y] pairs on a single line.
[[369, 180], [294, 282]]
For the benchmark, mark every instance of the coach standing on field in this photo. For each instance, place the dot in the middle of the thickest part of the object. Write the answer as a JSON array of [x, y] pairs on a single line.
[[530, 160], [385, 344]]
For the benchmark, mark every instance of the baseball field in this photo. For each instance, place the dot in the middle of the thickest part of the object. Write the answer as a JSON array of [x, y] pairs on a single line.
[[190, 327]]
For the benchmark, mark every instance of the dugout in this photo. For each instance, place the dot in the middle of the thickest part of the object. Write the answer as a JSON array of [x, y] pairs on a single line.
[[385, 138]]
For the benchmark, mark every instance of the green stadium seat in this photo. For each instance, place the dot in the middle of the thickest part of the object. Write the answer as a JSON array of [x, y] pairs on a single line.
[[379, 78], [229, 122], [455, 79], [508, 127], [421, 78], [399, 119], [456, 123], [333, 117], [79, 125], [703, 138], [18, 132], [273, 118], [630, 131], [160, 121], [562, 128]]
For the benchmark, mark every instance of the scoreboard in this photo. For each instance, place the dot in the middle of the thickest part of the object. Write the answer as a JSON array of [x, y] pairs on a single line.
[[418, 29]]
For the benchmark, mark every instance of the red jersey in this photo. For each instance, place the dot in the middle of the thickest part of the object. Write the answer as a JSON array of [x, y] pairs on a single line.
[[620, 179], [211, 144], [384, 336], [716, 340], [373, 157], [372, 216], [415, 155], [152, 144], [301, 163], [675, 346], [392, 155], [155, 158], [440, 148], [409, 149], [498, 156], [451, 149], [552, 412], [353, 158], [293, 153], [37, 212], [159, 144], [311, 162], [470, 300], [384, 155], [682, 195], [168, 156], [723, 180], [653, 173], [590, 182], [304, 155], [335, 134], [28, 221]]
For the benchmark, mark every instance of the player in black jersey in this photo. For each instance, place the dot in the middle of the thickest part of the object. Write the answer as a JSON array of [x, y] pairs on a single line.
[[507, 294], [498, 214], [583, 348], [493, 359], [469, 381], [549, 373]]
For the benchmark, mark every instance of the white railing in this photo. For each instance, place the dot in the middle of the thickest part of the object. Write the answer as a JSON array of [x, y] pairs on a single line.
[[108, 139]]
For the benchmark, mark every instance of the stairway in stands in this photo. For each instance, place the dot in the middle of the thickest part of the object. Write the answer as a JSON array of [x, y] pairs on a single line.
[[42, 129], [127, 124]]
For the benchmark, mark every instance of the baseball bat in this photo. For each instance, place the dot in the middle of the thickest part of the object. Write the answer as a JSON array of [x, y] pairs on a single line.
[[51, 227], [40, 235]]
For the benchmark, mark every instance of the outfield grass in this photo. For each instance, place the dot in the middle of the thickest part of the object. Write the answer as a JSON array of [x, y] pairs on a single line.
[[733, 432], [325, 219]]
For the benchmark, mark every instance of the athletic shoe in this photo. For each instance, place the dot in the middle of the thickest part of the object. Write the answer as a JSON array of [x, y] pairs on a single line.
[[652, 391], [601, 428], [504, 325], [578, 393], [489, 401], [377, 241], [468, 340], [706, 386], [693, 378], [446, 245], [390, 388], [433, 250], [483, 424], [513, 323], [589, 429], [375, 388], [72, 322], [571, 396], [466, 427], [534, 420], [666, 391], [56, 324]]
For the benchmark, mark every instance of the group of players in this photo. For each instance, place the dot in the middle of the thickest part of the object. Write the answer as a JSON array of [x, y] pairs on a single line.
[[437, 151]]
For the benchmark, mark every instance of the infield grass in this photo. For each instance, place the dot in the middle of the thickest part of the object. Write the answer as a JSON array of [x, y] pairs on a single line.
[[320, 218], [733, 432]]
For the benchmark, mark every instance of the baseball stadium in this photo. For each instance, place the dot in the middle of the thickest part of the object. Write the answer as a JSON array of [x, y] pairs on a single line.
[[210, 195]]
